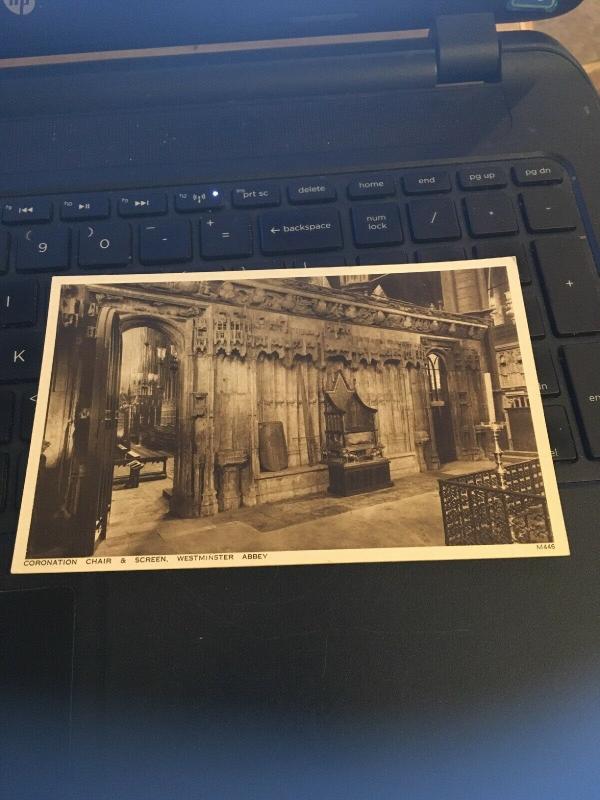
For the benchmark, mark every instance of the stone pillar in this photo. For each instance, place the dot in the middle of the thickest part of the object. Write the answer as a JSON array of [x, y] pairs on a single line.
[[182, 500], [453, 380], [252, 467], [205, 386], [409, 408], [449, 294], [292, 411], [431, 456], [193, 480]]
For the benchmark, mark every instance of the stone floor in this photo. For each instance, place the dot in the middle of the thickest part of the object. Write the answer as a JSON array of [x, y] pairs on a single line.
[[406, 515]]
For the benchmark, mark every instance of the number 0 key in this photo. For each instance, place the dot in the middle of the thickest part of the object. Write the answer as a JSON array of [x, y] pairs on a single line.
[[107, 245]]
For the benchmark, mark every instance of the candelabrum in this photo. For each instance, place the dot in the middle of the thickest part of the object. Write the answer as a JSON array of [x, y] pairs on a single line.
[[496, 429]]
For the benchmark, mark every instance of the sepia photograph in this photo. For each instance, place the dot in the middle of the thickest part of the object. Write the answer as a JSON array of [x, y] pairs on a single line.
[[295, 416]]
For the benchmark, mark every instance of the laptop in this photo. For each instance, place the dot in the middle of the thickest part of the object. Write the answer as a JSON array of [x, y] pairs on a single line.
[[471, 678]]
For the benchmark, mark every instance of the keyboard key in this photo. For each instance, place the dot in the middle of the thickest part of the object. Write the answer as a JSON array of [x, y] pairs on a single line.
[[316, 190], [323, 260], [226, 235], [20, 481], [491, 214], [20, 356], [383, 257], [18, 302], [165, 244], [4, 245], [258, 195], [442, 252], [7, 413], [546, 373], [28, 404], [372, 186], [548, 210], [105, 245], [142, 204], [426, 182], [4, 462], [562, 445], [571, 283], [309, 229], [377, 224], [433, 220], [528, 173], [44, 249], [24, 211], [78, 208], [473, 178], [208, 198], [503, 248], [581, 361], [535, 320]]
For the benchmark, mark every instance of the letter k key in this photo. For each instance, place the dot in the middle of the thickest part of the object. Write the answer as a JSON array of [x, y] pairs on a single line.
[[20, 356]]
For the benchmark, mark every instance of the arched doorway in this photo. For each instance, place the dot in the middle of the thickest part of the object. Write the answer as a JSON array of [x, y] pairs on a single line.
[[146, 437], [439, 403], [126, 432]]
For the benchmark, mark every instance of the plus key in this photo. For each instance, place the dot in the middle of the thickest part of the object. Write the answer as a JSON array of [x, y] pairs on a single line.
[[225, 235], [571, 284]]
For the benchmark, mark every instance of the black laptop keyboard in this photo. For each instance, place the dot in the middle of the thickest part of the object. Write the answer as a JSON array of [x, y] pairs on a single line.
[[525, 208]]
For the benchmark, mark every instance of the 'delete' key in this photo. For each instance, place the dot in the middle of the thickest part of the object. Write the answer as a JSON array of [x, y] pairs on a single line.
[[310, 229]]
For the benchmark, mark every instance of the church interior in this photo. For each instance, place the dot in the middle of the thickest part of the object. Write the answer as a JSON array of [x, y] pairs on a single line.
[[201, 404]]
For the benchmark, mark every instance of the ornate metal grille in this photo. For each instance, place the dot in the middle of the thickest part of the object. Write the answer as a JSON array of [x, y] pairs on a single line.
[[476, 510]]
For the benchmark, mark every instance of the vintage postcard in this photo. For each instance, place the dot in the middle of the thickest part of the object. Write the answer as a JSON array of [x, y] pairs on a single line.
[[288, 417]]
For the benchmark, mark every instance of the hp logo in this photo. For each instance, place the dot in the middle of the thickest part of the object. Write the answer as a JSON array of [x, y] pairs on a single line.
[[20, 7]]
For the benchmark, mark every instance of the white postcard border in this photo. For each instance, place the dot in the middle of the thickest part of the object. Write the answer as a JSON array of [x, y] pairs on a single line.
[[559, 547]]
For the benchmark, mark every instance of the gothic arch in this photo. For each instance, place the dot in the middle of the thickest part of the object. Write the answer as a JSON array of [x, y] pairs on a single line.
[[176, 333], [170, 329], [441, 404]]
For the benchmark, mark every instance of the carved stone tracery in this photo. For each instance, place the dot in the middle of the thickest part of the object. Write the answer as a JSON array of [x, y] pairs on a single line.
[[238, 336], [309, 300]]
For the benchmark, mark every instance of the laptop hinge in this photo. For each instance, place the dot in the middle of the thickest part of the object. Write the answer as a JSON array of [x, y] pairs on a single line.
[[467, 48]]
